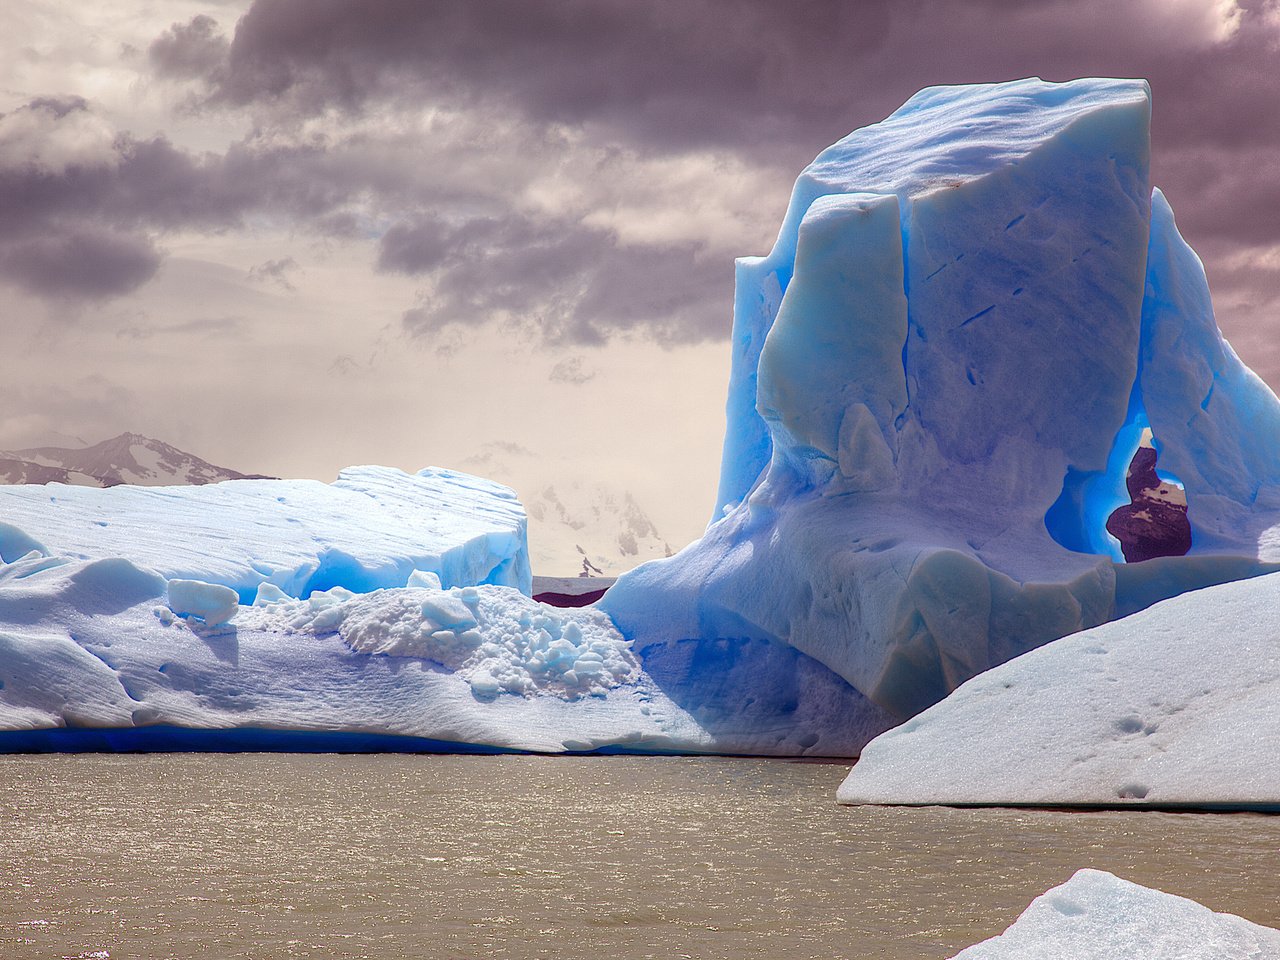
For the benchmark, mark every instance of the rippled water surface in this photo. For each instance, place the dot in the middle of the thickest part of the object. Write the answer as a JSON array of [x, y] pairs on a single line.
[[274, 856]]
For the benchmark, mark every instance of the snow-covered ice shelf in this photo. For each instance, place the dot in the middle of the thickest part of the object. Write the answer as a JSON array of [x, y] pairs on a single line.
[[370, 528]]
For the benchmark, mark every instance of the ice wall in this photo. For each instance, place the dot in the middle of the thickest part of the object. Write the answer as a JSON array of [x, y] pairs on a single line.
[[940, 374], [371, 528]]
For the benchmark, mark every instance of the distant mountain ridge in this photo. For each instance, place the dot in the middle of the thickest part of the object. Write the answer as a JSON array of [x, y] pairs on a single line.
[[128, 458]]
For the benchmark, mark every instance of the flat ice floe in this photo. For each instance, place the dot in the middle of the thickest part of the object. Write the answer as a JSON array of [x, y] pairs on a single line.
[[1176, 706], [104, 654], [102, 644], [1098, 916], [370, 528]]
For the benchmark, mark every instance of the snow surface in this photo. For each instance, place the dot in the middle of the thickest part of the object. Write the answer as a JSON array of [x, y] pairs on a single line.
[[1098, 916], [1174, 706], [940, 375], [371, 528], [94, 652]]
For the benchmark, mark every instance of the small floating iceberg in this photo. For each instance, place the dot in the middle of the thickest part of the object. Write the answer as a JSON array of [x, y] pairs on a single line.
[[1098, 916]]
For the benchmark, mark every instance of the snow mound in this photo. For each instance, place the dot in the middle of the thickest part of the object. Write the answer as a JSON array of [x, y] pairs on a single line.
[[941, 373], [369, 529], [1098, 916], [209, 602], [1172, 707], [495, 638]]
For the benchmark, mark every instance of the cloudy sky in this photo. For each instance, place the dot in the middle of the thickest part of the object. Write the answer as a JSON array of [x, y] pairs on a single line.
[[291, 235]]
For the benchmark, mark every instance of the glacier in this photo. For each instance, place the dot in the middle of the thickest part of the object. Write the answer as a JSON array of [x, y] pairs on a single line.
[[974, 314], [1097, 915], [1167, 709], [940, 374]]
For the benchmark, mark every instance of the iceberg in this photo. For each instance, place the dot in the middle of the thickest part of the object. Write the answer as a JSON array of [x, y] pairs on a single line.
[[1173, 707], [107, 655], [1096, 915], [973, 313], [371, 528]]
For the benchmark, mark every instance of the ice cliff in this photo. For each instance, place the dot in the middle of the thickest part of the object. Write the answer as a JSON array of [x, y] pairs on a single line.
[[940, 376], [371, 528]]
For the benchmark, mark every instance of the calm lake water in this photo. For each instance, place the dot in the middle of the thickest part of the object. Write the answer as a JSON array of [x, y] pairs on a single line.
[[280, 855]]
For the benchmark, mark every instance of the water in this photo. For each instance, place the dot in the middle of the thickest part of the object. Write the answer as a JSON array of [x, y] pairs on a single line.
[[275, 855]]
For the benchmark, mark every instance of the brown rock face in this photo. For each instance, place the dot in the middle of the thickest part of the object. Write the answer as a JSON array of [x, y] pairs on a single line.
[[1155, 523]]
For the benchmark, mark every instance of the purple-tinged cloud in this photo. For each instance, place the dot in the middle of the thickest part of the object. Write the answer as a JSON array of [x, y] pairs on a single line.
[[83, 264], [189, 50]]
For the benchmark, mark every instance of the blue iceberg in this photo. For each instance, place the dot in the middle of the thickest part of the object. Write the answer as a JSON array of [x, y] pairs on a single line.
[[974, 314], [940, 374]]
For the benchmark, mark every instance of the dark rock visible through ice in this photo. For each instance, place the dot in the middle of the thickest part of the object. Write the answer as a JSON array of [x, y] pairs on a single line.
[[1155, 523]]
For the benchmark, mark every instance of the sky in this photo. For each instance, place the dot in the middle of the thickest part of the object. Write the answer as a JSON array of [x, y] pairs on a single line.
[[498, 235]]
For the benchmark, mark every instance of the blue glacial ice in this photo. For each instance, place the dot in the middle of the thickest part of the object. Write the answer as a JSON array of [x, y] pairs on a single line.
[[973, 313], [940, 374]]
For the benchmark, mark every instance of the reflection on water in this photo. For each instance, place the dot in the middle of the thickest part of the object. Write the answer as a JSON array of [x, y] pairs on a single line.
[[275, 856]]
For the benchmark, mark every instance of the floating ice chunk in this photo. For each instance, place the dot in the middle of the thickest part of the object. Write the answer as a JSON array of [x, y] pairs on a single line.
[[210, 602], [1098, 916], [1171, 707]]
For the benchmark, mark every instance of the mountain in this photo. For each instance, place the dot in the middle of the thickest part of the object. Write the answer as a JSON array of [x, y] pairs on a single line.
[[128, 458], [576, 526]]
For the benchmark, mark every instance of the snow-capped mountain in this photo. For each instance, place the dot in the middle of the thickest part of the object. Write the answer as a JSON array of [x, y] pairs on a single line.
[[128, 458], [576, 526]]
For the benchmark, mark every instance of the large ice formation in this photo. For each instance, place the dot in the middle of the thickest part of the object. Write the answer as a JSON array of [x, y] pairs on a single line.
[[104, 654], [1171, 707], [973, 313], [941, 372], [370, 528], [1098, 916]]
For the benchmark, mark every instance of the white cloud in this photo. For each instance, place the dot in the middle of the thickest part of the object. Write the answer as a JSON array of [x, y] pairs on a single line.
[[51, 141]]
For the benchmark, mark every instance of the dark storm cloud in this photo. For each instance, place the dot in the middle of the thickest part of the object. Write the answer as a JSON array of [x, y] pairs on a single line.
[[775, 82], [765, 82], [676, 73], [573, 283], [671, 71], [189, 50], [77, 206], [81, 208], [78, 264]]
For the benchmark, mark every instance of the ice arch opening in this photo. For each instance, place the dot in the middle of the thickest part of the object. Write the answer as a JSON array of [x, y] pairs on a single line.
[[1154, 523]]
